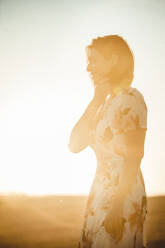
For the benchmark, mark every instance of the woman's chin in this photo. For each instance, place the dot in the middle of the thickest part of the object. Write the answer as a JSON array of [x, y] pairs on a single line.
[[95, 78]]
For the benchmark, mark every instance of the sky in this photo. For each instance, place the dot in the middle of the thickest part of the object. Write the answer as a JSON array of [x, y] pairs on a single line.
[[45, 88]]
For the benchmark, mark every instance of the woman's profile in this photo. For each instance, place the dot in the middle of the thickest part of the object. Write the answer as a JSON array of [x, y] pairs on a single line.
[[114, 126]]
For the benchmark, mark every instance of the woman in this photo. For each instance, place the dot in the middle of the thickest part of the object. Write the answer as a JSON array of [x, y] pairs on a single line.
[[114, 126]]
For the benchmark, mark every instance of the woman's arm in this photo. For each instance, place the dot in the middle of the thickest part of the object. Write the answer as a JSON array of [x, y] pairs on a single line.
[[133, 141], [81, 134]]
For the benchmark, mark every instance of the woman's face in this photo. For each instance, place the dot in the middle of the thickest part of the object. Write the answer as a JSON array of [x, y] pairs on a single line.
[[98, 66]]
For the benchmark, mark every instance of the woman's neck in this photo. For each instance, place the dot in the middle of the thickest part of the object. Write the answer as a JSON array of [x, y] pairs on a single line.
[[106, 87], [118, 90]]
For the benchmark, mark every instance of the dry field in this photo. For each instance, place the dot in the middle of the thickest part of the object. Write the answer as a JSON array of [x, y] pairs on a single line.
[[55, 221]]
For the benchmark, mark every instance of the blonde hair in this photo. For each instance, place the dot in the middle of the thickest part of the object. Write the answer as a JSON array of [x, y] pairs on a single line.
[[114, 44]]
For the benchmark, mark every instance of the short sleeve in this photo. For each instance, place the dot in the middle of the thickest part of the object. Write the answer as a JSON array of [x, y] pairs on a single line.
[[126, 112]]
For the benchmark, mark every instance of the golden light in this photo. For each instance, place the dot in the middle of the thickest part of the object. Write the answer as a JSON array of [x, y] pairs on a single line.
[[45, 89]]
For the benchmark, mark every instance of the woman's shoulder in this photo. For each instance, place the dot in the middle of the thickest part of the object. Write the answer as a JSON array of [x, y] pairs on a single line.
[[135, 92], [127, 107], [131, 98], [129, 95], [137, 95]]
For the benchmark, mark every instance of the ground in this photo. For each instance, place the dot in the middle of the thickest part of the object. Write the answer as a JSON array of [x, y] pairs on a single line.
[[55, 221]]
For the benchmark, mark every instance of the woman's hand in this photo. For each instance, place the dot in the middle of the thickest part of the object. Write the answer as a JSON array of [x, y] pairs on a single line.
[[83, 132], [114, 221], [101, 91]]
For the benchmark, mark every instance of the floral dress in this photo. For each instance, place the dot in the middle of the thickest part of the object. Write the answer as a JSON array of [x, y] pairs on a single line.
[[126, 111]]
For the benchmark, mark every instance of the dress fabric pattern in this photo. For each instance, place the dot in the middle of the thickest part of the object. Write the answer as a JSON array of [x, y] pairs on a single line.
[[125, 112]]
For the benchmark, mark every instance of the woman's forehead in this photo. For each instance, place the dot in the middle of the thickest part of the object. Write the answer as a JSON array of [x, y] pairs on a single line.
[[91, 51]]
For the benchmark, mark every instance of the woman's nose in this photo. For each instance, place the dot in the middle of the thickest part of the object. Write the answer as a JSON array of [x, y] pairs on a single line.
[[88, 67]]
